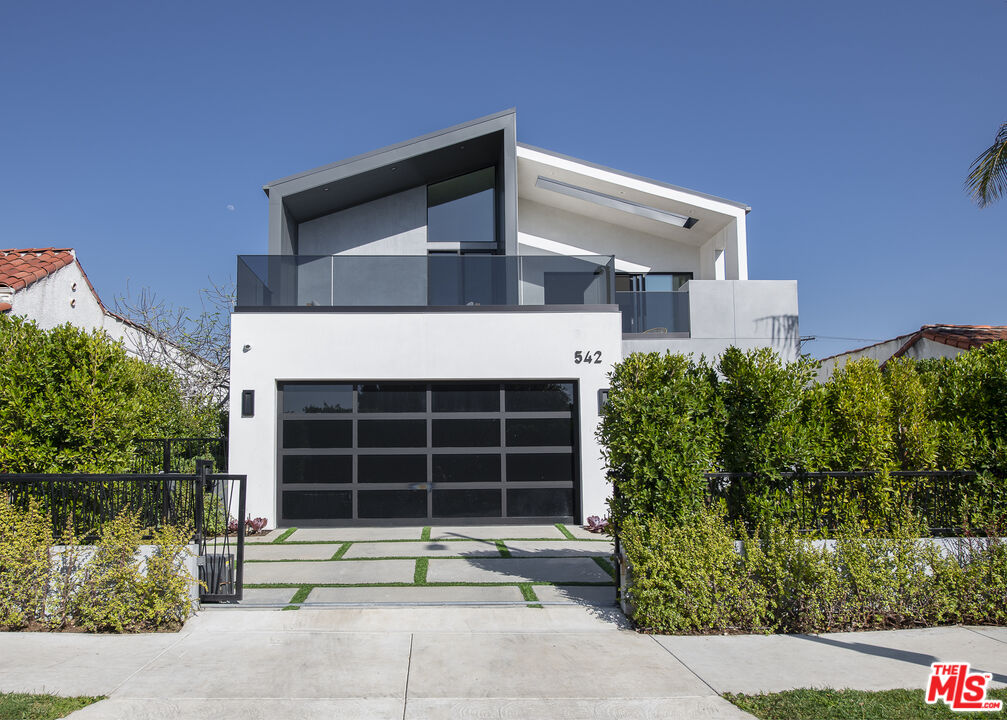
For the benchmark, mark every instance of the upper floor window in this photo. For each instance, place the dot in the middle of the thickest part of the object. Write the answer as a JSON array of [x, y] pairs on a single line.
[[463, 209], [651, 282]]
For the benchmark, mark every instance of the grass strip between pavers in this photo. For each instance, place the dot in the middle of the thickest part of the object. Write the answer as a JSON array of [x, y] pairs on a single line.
[[15, 706], [503, 549], [425, 533], [852, 704], [420, 574], [528, 592], [341, 551], [286, 533], [566, 533], [300, 596]]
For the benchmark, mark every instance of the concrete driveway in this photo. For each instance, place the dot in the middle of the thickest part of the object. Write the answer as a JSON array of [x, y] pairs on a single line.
[[430, 662], [526, 565]]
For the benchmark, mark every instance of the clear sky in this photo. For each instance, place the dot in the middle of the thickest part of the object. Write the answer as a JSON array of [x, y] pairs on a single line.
[[141, 133]]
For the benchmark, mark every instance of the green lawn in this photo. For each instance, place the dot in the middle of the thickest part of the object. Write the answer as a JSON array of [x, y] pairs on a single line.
[[18, 706], [853, 705]]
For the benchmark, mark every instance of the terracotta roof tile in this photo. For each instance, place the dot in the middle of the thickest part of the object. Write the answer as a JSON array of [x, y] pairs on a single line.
[[5, 306], [964, 336], [20, 267]]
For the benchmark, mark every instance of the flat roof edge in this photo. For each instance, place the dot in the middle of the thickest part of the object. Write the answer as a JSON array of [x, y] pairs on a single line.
[[706, 196], [390, 148]]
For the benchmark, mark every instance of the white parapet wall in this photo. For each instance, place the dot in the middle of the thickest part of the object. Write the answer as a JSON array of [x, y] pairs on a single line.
[[267, 348], [745, 313]]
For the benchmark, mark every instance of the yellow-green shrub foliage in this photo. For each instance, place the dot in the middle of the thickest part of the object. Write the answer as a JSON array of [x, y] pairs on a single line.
[[690, 577], [106, 587], [110, 590], [25, 542], [165, 585]]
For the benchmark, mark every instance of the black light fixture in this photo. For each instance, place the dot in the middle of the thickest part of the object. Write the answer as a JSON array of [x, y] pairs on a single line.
[[247, 403]]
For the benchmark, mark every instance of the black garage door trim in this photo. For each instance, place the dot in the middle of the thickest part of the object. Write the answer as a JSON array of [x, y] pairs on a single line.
[[376, 452]]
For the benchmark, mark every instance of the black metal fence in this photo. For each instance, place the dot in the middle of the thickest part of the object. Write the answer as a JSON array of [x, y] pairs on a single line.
[[947, 501], [213, 505], [179, 455]]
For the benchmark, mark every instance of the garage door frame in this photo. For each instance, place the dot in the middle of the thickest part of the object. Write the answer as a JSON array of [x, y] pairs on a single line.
[[431, 487]]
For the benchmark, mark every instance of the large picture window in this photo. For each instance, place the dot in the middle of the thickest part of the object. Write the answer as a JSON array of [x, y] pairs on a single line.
[[463, 209]]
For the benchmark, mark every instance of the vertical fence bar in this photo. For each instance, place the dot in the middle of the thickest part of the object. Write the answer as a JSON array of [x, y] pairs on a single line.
[[240, 575]]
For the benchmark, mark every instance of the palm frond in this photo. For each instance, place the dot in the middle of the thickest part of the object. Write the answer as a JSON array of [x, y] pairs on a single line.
[[987, 180]]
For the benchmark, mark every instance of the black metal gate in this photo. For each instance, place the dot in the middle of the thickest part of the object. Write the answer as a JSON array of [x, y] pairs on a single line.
[[214, 505]]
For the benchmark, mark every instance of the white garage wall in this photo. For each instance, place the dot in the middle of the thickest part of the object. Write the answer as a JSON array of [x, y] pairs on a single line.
[[473, 345]]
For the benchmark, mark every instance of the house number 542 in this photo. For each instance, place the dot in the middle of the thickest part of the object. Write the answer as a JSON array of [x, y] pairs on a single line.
[[587, 356]]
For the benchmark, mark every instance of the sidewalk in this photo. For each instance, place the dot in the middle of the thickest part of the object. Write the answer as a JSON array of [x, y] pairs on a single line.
[[458, 662]]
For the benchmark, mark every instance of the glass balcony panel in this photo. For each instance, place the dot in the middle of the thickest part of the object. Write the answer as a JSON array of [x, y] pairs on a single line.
[[422, 280], [654, 312]]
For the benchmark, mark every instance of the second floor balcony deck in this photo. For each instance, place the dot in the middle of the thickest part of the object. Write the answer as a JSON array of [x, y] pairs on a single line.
[[291, 282]]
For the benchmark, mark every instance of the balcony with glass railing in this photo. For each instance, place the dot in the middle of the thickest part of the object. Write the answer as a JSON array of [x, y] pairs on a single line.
[[333, 281], [343, 281]]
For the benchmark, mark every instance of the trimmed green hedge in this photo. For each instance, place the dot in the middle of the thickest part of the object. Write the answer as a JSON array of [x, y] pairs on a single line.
[[74, 401], [693, 577], [671, 418]]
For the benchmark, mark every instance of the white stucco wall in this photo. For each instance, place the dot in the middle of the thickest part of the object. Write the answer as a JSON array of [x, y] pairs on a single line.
[[744, 313], [649, 252], [411, 346], [65, 297], [922, 349], [393, 225]]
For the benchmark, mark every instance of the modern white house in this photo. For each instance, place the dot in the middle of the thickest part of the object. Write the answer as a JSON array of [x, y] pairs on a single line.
[[430, 334]]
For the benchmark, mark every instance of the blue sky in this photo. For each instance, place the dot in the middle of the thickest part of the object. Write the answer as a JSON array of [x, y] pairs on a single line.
[[131, 130]]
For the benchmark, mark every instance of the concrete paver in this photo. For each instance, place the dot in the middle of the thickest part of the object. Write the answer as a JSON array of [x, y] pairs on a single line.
[[581, 534], [559, 548], [266, 595], [424, 548], [494, 532], [283, 551], [516, 570], [600, 596], [309, 573], [502, 593], [351, 534], [266, 537]]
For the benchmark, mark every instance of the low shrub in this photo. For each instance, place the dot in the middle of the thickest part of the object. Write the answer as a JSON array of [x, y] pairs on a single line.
[[105, 587], [695, 577]]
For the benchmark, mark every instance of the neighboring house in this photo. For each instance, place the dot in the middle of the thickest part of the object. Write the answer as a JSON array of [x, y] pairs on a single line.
[[930, 341], [48, 285], [430, 335]]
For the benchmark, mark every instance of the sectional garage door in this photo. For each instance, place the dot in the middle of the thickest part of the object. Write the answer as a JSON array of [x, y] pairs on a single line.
[[359, 452]]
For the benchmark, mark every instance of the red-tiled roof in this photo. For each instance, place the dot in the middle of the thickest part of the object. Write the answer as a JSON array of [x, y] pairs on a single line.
[[964, 336], [20, 267], [5, 306]]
